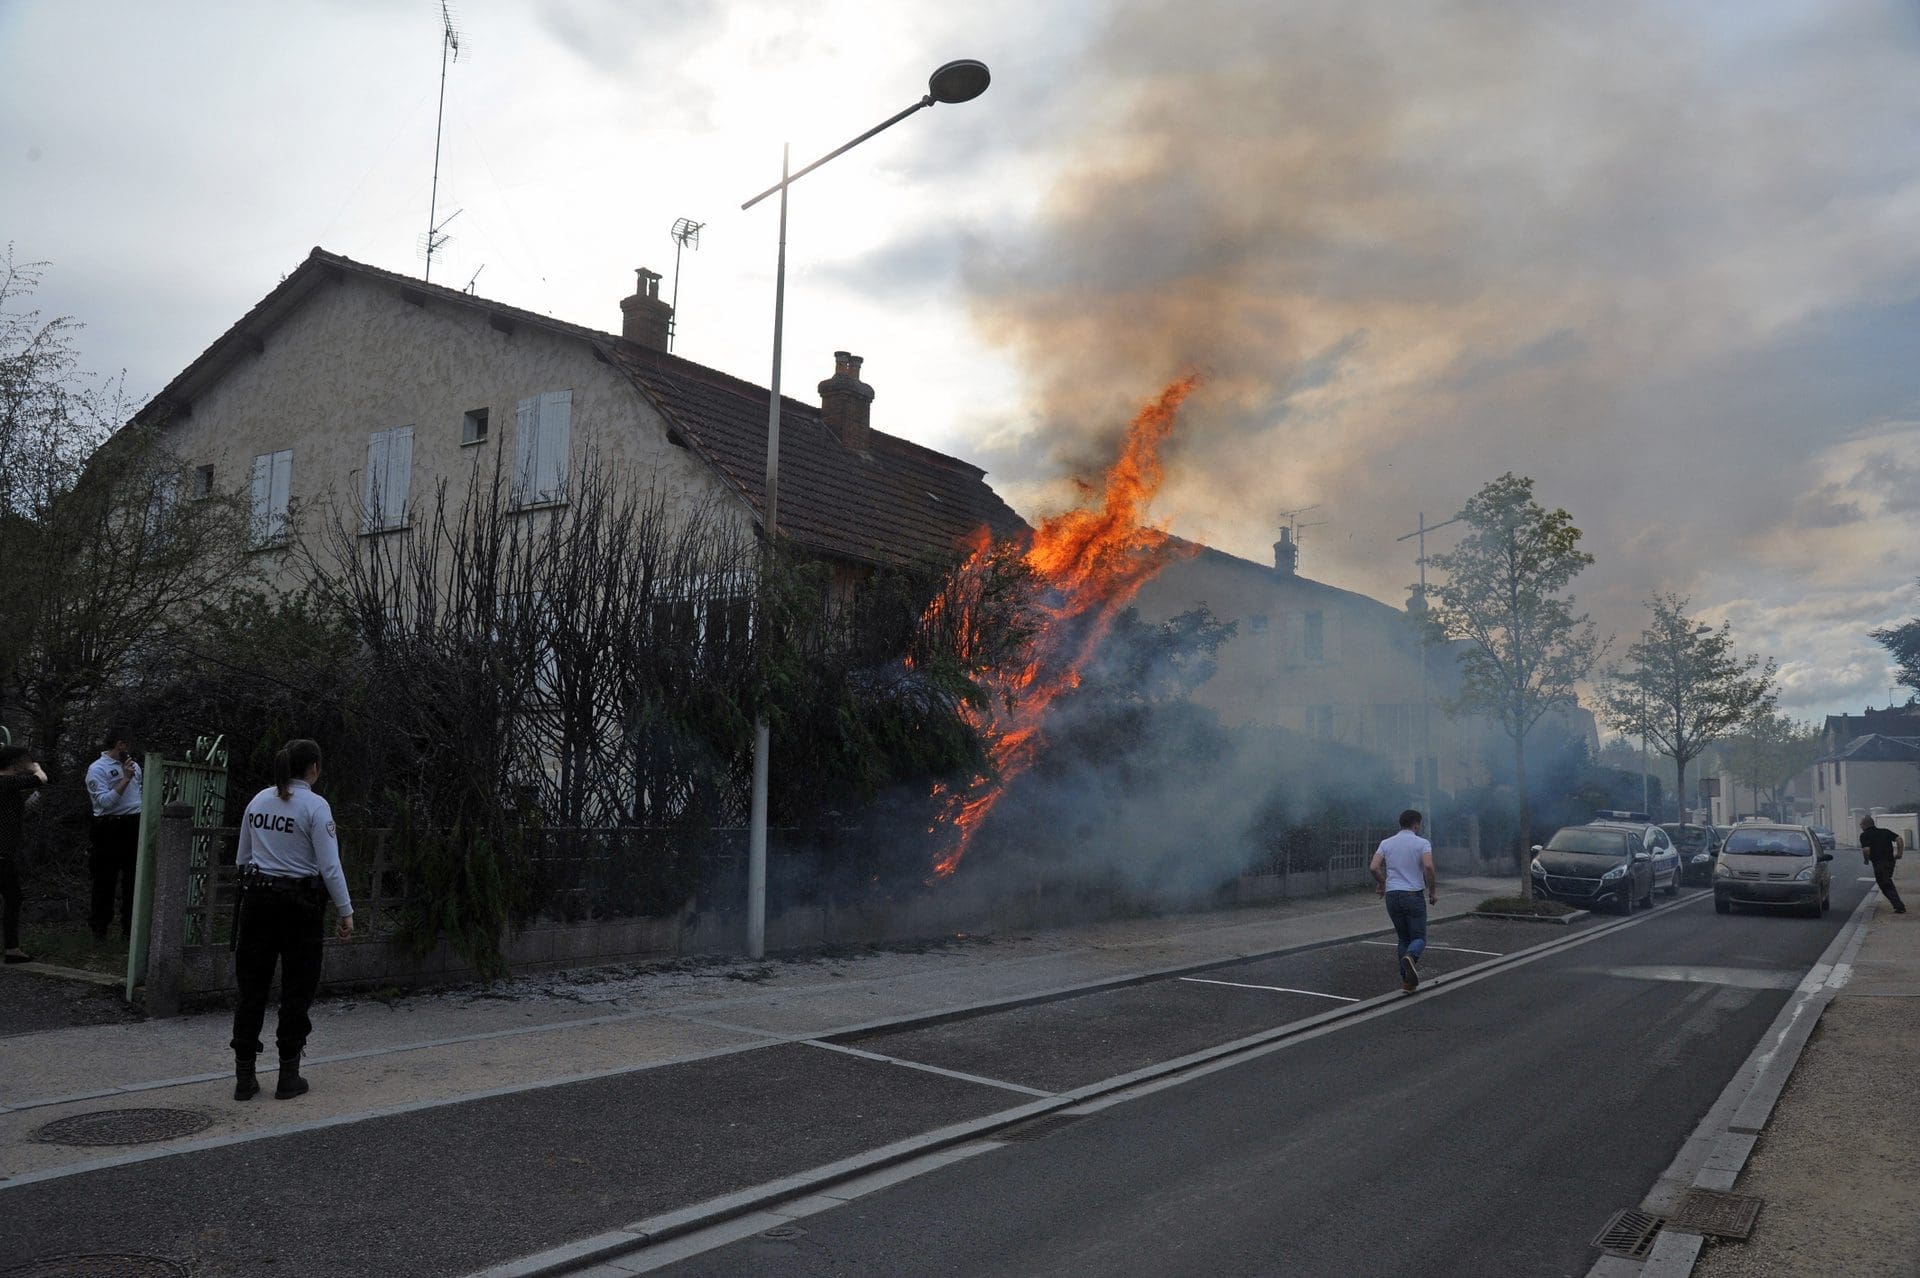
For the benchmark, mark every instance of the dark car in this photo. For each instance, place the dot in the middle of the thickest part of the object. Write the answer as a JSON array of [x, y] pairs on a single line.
[[1766, 864], [1699, 848], [1593, 866], [1825, 836]]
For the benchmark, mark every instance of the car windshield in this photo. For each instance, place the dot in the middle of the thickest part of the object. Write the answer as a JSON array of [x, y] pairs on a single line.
[[1590, 842], [1689, 836], [1768, 843]]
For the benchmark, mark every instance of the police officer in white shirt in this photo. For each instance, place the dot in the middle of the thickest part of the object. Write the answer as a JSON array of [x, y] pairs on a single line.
[[113, 787], [289, 861]]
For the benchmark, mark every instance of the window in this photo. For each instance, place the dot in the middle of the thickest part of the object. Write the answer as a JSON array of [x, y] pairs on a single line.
[[272, 482], [473, 427], [161, 500], [203, 481], [1257, 624], [1316, 638], [389, 476], [543, 428]]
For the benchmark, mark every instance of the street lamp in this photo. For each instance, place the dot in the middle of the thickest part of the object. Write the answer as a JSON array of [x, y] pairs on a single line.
[[954, 82]]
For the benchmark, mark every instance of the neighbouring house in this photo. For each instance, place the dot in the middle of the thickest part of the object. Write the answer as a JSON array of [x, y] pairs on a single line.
[[1869, 773], [351, 387], [1894, 721], [1335, 665]]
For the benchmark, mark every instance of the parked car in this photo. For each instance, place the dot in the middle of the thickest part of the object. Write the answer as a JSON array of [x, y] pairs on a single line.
[[1665, 857], [1594, 866], [1699, 847], [1773, 865], [1825, 836]]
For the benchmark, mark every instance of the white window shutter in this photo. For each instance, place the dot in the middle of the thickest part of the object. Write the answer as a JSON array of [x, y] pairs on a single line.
[[526, 448], [281, 491], [399, 475], [556, 432], [263, 497], [373, 515]]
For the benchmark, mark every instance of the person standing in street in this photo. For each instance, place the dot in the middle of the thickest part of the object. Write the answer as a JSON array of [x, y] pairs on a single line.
[[1402, 870], [289, 862], [113, 787], [20, 781], [1880, 848]]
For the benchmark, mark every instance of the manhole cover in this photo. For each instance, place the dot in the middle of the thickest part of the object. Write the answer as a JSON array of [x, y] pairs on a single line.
[[102, 1265], [783, 1232], [1708, 1211], [122, 1127], [1629, 1234], [1036, 1128]]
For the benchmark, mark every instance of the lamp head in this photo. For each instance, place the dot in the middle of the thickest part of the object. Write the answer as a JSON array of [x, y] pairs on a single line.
[[960, 81]]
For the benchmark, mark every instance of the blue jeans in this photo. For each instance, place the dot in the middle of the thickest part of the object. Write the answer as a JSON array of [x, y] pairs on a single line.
[[1408, 910]]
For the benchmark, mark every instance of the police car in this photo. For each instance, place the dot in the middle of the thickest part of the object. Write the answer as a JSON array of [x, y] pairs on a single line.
[[1667, 870]]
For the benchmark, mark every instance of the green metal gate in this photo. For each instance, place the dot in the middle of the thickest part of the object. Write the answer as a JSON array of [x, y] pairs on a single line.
[[200, 782]]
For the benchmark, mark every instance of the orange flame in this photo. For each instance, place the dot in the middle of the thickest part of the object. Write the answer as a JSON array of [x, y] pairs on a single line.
[[1091, 563]]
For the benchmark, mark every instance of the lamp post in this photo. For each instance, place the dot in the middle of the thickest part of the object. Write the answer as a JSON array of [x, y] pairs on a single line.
[[954, 82]]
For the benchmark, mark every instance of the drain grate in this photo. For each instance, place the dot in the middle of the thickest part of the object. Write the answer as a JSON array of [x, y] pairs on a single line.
[[1708, 1211], [100, 1265], [122, 1127], [1629, 1234], [1038, 1128]]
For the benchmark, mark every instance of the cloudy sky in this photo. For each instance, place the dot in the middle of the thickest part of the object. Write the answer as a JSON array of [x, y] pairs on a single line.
[[1661, 257]]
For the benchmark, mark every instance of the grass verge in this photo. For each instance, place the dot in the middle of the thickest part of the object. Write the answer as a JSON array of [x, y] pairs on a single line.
[[72, 945], [1519, 905]]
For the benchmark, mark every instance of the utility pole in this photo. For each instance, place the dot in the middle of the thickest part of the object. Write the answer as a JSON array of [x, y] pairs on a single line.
[[1424, 769]]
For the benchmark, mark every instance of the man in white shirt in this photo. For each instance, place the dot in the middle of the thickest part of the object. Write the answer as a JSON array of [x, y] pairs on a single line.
[[113, 788], [1402, 870]]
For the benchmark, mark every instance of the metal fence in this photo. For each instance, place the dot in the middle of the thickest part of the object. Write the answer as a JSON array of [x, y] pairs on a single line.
[[1331, 856]]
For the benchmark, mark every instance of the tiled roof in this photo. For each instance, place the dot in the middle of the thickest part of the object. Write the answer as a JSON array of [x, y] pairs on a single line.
[[1876, 748], [895, 502]]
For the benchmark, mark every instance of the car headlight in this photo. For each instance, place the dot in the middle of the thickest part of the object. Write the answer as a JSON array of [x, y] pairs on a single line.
[[1616, 872], [1720, 870], [1805, 876], [1539, 869], [1701, 858]]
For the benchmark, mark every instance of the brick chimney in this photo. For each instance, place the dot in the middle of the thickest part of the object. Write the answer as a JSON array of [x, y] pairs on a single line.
[[1286, 554], [846, 402], [646, 319]]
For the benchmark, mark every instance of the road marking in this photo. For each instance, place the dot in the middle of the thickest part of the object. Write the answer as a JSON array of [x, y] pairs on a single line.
[[930, 1069], [1457, 949], [1278, 989], [1750, 978], [1867, 880]]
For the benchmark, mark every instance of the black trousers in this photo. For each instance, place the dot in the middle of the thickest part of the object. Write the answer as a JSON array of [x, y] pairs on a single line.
[[116, 853], [279, 925], [10, 901], [1883, 875]]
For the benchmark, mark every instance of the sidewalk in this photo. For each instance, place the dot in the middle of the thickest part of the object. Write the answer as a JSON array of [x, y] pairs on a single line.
[[370, 1057], [1838, 1164]]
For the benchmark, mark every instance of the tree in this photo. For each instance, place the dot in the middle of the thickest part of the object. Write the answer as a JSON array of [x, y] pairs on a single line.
[[1903, 641], [1503, 592], [1682, 686], [1771, 751]]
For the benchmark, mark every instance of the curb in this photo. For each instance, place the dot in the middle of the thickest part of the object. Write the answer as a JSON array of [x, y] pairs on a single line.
[[1763, 1076], [600, 1248], [37, 968], [1561, 919]]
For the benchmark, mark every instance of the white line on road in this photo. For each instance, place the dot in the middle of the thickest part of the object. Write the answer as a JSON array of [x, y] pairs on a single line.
[[1457, 949], [1278, 989], [926, 1068]]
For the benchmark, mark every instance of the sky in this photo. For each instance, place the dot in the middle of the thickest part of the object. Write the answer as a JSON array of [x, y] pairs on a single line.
[[1659, 257]]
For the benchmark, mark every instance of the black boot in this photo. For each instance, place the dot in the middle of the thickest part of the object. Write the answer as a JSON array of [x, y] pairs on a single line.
[[245, 1085], [291, 1084]]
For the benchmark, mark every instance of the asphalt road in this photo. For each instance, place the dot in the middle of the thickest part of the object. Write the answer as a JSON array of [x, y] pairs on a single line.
[[1490, 1129]]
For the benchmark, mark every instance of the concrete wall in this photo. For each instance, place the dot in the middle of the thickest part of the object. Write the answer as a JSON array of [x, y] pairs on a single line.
[[357, 358]]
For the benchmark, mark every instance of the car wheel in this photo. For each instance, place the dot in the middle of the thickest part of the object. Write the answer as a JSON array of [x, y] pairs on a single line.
[[1673, 887], [1722, 906], [1646, 902]]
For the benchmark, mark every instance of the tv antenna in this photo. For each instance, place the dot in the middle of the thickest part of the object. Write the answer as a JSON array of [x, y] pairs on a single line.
[[436, 239], [686, 235], [1292, 518], [449, 52], [471, 278]]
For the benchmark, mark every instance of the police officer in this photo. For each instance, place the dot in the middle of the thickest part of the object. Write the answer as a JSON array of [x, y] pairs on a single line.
[[289, 862], [113, 787]]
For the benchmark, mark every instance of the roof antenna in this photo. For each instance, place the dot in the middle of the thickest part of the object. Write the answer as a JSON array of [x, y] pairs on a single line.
[[449, 52], [471, 278], [686, 235]]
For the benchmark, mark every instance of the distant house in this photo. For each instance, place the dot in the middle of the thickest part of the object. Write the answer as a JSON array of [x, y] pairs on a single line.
[[1333, 664], [352, 385], [1869, 772]]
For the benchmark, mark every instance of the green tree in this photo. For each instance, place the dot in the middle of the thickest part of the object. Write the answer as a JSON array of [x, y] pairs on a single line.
[[1770, 752], [1503, 591], [1683, 686], [1903, 641]]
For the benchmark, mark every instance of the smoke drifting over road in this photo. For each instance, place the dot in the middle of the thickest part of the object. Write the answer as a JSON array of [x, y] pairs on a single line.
[[1656, 257]]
